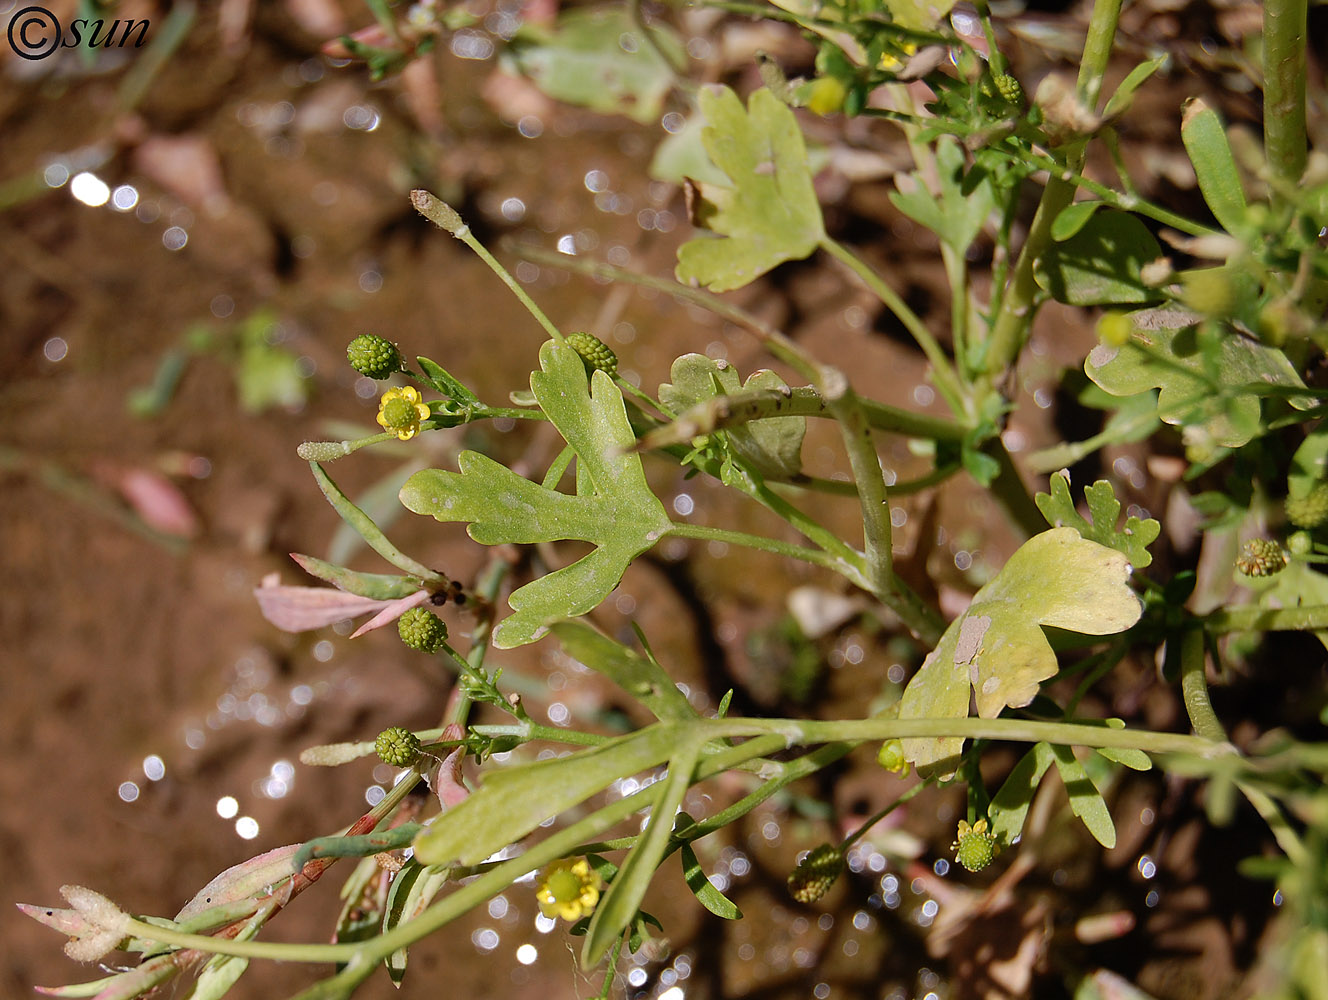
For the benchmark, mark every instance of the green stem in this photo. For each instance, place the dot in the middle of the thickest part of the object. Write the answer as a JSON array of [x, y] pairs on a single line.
[[1124, 202], [856, 835], [1252, 618], [1018, 304], [877, 531], [445, 217], [1199, 707], [1284, 72], [947, 382], [770, 735], [1194, 687], [1097, 49], [1008, 488], [816, 557]]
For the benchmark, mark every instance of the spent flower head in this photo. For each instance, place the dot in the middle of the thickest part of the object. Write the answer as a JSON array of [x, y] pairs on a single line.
[[569, 888], [975, 846], [401, 410], [1261, 557]]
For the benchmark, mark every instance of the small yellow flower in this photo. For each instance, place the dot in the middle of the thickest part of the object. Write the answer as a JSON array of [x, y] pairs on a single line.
[[569, 889], [891, 62], [400, 411]]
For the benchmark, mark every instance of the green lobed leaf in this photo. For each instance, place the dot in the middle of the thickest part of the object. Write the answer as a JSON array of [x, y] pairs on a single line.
[[773, 446], [770, 215], [1101, 263], [920, 15], [597, 59], [1009, 806], [1214, 165], [682, 156], [703, 889], [1210, 384], [1309, 465], [1086, 801], [614, 509], [1059, 510], [997, 647], [639, 676], [623, 899], [515, 800], [958, 213]]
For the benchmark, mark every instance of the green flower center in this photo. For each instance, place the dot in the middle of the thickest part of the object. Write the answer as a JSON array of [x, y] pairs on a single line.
[[399, 413], [564, 886]]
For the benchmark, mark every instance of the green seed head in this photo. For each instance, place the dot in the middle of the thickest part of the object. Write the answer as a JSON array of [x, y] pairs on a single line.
[[1008, 87], [1311, 510], [596, 354], [1261, 557], [373, 356], [397, 746], [976, 845], [422, 630], [816, 873]]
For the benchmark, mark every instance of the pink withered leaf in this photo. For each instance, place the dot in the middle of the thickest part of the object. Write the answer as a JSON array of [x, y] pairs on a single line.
[[393, 611], [300, 609]]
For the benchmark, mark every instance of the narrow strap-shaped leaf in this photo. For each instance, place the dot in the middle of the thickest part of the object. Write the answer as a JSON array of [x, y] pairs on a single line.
[[1131, 757], [361, 904], [412, 891], [1206, 142], [1124, 94], [378, 586], [624, 897], [443, 381], [639, 676], [1086, 801], [369, 531], [1009, 807], [513, 801], [705, 891], [223, 971], [135, 982]]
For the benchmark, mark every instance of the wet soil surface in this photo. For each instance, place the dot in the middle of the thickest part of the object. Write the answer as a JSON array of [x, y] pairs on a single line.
[[258, 220]]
